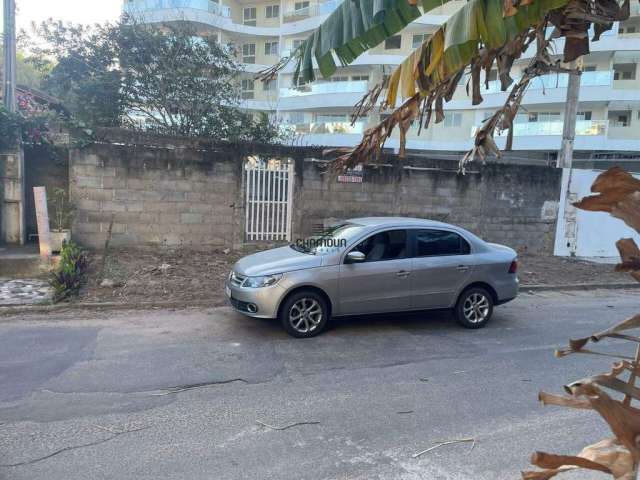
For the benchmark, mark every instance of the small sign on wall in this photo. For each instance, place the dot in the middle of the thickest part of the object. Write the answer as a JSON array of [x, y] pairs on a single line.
[[353, 175]]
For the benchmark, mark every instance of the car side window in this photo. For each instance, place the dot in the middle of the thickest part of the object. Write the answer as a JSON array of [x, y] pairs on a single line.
[[388, 245], [430, 243]]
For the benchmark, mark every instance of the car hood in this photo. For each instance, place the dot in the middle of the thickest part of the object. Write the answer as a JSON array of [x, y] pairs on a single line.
[[277, 260]]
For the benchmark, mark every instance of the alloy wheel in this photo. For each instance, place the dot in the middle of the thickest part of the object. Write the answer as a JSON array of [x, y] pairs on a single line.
[[305, 315], [476, 308]]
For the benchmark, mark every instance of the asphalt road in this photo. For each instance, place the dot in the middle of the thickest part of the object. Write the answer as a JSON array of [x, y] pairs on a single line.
[[95, 395]]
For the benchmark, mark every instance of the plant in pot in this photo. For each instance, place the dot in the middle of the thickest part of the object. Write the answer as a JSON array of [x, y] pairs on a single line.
[[61, 216]]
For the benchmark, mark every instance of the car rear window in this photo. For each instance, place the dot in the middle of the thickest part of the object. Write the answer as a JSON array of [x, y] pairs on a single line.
[[431, 243]]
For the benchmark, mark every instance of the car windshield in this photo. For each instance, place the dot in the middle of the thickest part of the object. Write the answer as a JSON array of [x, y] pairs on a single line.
[[328, 241]]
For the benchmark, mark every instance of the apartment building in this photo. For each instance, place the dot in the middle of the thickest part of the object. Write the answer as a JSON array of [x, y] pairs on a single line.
[[264, 31]]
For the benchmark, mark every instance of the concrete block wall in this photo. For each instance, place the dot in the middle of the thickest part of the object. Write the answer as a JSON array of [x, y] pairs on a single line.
[[192, 194], [157, 196], [511, 204]]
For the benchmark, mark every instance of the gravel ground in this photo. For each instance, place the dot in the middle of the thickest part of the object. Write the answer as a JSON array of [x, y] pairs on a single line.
[[185, 275], [550, 270]]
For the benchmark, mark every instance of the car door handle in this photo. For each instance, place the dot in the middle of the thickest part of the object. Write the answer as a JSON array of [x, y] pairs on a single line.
[[403, 274], [462, 268]]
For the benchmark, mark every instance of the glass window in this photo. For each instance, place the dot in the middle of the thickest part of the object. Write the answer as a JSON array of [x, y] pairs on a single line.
[[624, 71], [360, 78], [329, 240], [298, 6], [389, 245], [297, 43], [583, 115], [417, 40], [272, 11], [452, 119], [393, 43], [249, 53], [247, 88], [249, 16], [431, 243], [269, 85], [271, 48]]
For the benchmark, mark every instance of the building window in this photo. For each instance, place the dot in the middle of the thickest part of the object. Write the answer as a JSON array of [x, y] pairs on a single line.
[[271, 48], [393, 43], [300, 7], [583, 115], [296, 118], [624, 71], [418, 39], [297, 43], [340, 78], [269, 85], [360, 78], [620, 118], [247, 89], [452, 119], [249, 53], [249, 16], [272, 11], [331, 118]]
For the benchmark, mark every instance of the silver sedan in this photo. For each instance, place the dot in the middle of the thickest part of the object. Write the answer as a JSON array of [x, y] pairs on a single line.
[[375, 265]]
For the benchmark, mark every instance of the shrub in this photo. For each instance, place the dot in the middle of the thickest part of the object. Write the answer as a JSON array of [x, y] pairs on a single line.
[[67, 278]]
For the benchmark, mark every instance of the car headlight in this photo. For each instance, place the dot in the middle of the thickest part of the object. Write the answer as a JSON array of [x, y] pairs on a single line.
[[262, 281]]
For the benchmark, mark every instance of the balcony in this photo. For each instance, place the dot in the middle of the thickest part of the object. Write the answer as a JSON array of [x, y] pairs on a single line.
[[330, 127], [137, 7], [323, 8], [583, 128], [587, 79], [324, 88]]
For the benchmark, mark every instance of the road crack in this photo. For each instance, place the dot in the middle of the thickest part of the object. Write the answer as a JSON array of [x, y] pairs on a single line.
[[184, 388], [115, 434]]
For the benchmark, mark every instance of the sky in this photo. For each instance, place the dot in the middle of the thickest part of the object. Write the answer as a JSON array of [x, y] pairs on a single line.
[[77, 11]]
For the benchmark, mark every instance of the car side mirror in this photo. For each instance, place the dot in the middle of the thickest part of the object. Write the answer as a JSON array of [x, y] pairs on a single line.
[[355, 257]]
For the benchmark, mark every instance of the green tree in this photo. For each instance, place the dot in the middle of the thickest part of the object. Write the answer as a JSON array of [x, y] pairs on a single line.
[[167, 80]]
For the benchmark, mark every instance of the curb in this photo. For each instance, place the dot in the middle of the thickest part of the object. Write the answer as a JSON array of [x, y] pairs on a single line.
[[181, 305], [578, 286], [60, 307]]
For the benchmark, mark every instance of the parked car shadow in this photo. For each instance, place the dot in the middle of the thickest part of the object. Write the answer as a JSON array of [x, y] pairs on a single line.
[[422, 321]]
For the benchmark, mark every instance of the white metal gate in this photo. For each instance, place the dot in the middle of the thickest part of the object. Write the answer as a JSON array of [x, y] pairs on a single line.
[[269, 195]]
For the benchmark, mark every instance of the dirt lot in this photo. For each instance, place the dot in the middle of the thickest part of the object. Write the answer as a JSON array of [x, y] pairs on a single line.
[[185, 275]]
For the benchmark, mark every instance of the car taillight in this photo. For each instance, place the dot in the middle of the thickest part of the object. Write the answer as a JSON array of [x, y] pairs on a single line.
[[513, 268]]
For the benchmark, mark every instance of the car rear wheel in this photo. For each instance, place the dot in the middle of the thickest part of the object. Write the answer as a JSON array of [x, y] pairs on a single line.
[[474, 308], [304, 314]]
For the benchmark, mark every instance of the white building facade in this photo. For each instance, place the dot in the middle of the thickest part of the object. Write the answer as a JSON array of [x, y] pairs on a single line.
[[264, 31]]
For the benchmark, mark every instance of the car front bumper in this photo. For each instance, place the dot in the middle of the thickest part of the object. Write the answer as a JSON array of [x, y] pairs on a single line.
[[255, 302]]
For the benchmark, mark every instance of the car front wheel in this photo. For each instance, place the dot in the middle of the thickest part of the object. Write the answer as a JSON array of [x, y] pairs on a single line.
[[474, 308], [304, 314]]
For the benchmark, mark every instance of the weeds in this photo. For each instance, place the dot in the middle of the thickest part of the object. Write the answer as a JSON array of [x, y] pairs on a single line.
[[67, 278]]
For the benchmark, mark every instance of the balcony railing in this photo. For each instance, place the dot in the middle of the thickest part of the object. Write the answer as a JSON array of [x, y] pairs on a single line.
[[323, 88], [330, 127], [583, 128], [323, 8], [136, 7], [587, 79]]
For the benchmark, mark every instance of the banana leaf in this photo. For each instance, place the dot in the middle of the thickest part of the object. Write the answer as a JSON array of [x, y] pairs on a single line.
[[478, 22], [353, 28]]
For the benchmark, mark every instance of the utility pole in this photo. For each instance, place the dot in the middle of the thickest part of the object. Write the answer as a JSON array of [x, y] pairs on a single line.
[[9, 65], [568, 217], [565, 156]]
